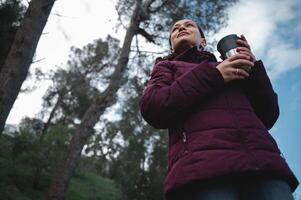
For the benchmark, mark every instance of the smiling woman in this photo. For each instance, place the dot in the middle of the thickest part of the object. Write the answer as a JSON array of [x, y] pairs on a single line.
[[218, 117], [185, 34]]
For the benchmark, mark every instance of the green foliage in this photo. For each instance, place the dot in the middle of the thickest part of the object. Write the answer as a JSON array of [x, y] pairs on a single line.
[[93, 187], [28, 159], [75, 87], [11, 14], [17, 166], [130, 145], [157, 168], [6, 146]]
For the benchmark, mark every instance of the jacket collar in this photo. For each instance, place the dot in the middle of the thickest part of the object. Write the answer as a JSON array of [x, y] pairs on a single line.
[[195, 55]]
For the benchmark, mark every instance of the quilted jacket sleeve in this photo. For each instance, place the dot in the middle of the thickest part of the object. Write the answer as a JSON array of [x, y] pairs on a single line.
[[263, 98], [165, 100]]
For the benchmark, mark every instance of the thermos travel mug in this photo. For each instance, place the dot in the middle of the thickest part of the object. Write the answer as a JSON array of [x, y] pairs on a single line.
[[227, 48]]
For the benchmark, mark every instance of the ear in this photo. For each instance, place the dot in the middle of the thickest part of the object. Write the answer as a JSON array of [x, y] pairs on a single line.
[[203, 42]]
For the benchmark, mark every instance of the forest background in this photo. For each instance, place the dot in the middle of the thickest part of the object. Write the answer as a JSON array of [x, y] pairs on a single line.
[[89, 51]]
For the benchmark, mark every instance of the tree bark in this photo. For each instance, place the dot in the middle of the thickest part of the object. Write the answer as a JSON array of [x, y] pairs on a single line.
[[17, 63], [107, 98]]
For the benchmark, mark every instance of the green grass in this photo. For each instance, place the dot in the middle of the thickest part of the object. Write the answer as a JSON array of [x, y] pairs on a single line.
[[92, 187]]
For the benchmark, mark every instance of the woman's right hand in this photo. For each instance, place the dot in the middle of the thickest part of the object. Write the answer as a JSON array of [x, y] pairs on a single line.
[[230, 70]]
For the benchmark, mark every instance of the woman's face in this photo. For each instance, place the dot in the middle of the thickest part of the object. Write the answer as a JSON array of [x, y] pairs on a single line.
[[185, 34]]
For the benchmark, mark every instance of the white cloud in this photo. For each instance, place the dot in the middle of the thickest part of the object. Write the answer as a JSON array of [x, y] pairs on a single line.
[[246, 18], [282, 58]]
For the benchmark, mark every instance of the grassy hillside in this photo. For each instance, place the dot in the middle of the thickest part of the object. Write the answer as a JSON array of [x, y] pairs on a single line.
[[92, 187]]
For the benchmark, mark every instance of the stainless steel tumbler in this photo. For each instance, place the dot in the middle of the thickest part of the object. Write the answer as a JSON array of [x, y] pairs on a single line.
[[227, 48]]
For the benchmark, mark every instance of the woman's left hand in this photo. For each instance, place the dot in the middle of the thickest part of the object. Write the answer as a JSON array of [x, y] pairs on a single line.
[[244, 48]]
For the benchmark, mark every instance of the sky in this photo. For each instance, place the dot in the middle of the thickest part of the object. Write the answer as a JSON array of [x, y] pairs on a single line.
[[272, 28]]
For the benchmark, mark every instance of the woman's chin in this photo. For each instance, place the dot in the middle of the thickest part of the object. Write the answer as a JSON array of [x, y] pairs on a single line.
[[183, 46]]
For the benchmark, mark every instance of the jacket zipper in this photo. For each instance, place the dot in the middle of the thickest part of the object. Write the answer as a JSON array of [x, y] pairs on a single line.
[[184, 141]]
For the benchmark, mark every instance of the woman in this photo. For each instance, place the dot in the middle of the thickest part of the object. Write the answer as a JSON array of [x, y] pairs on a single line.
[[218, 117]]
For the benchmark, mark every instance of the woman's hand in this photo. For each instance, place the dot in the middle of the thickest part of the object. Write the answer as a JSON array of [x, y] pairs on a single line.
[[230, 70], [244, 48]]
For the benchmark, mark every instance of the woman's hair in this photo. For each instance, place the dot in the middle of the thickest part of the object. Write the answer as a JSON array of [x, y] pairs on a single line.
[[201, 32]]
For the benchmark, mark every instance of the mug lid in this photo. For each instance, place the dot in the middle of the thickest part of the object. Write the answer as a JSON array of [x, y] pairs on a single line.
[[227, 43]]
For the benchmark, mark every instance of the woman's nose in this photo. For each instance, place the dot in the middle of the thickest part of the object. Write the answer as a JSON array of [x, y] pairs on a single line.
[[182, 28]]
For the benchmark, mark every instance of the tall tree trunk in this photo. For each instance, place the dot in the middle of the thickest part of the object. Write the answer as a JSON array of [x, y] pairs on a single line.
[[52, 114], [17, 63], [107, 98]]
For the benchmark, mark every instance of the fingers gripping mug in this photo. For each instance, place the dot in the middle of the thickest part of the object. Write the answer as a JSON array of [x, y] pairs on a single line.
[[227, 48]]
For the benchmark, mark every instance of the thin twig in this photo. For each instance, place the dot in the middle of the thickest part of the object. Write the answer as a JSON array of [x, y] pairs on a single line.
[[38, 60], [119, 18]]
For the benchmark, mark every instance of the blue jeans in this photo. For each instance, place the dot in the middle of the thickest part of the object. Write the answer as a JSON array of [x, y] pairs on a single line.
[[253, 189], [270, 189]]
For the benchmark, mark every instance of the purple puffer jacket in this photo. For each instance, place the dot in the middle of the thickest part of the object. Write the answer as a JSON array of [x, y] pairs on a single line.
[[215, 128]]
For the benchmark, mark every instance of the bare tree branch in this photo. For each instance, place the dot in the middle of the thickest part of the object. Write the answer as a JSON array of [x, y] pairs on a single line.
[[119, 18], [39, 60], [137, 45], [90, 70], [146, 35]]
